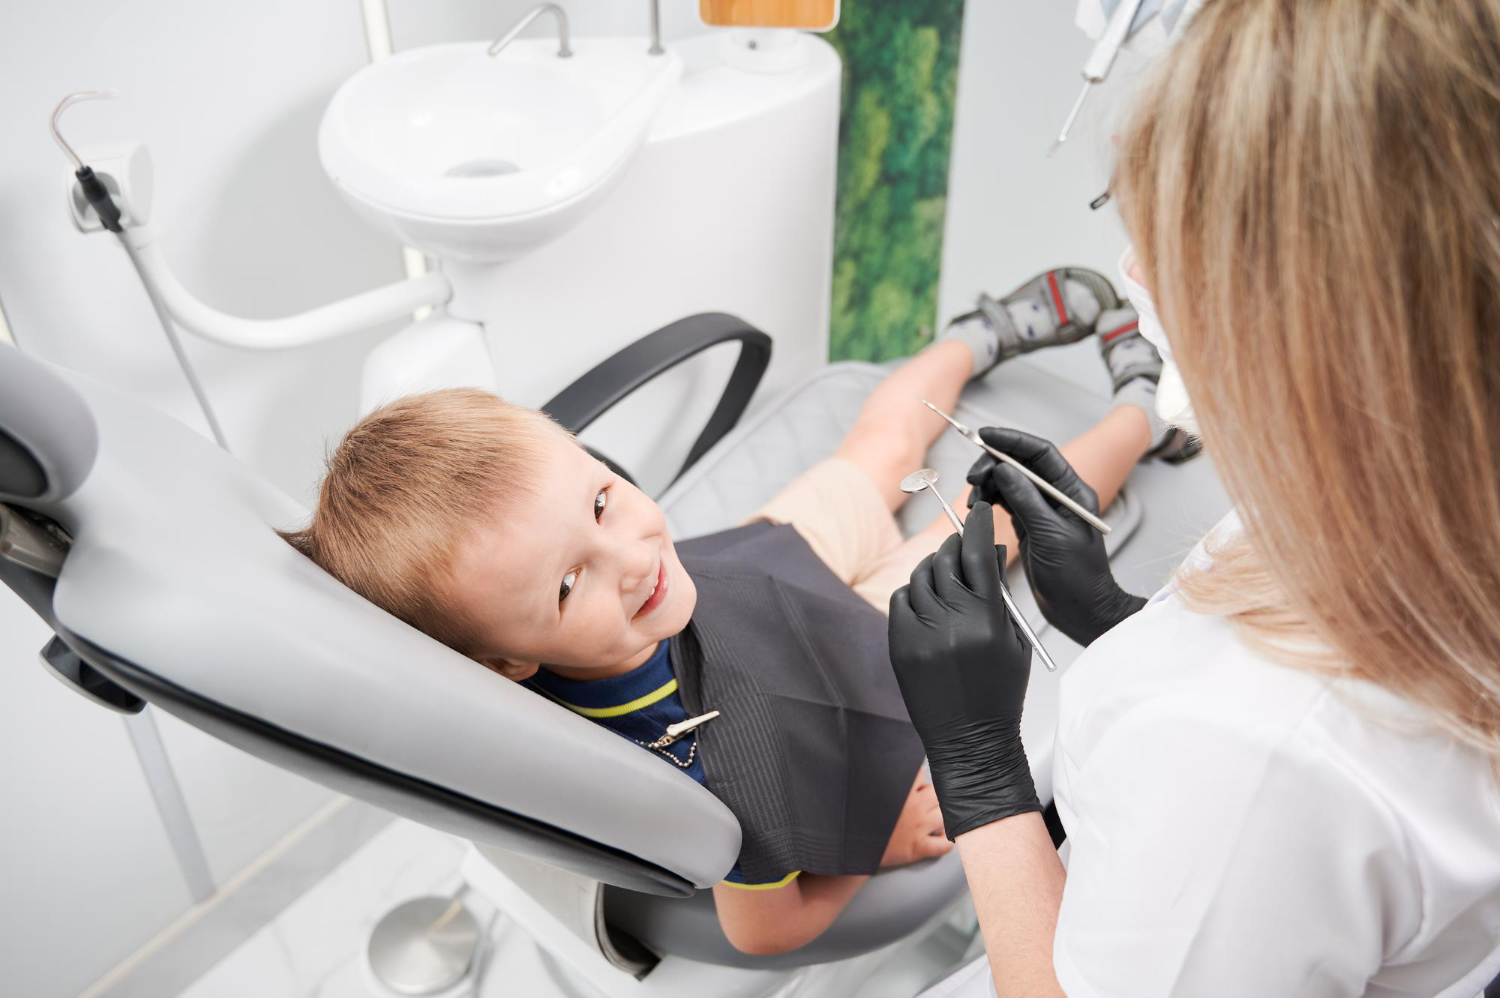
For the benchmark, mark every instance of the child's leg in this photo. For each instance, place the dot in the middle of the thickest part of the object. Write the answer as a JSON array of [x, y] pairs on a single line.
[[1103, 456], [891, 437], [894, 431], [837, 505]]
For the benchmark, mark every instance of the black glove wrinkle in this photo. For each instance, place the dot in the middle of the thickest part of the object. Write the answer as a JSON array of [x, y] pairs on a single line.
[[1066, 564], [963, 668]]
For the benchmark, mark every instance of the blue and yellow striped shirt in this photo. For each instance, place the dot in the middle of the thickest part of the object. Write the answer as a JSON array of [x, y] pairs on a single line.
[[638, 706]]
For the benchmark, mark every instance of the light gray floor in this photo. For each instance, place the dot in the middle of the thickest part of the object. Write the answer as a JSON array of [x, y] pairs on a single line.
[[309, 950], [312, 949]]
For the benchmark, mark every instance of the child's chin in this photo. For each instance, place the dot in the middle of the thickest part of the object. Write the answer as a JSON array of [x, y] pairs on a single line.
[[668, 620], [684, 600]]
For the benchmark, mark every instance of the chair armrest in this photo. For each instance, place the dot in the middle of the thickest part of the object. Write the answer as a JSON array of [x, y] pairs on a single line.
[[599, 389]]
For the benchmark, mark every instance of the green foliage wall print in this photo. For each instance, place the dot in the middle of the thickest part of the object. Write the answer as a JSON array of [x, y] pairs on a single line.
[[896, 129]]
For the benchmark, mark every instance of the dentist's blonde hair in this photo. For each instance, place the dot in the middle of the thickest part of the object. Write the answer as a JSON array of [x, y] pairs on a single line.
[[1314, 189]]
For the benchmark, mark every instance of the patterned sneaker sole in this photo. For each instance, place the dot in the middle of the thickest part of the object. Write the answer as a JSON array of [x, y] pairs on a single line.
[[1179, 448]]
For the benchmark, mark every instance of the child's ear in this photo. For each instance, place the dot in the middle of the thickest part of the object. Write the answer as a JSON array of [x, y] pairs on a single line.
[[515, 671]]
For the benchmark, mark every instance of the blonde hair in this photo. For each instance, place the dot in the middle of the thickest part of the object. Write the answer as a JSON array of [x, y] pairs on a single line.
[[405, 487], [1313, 189]]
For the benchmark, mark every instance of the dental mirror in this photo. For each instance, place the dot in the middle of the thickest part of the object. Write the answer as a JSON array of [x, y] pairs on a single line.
[[808, 15], [926, 478], [919, 480]]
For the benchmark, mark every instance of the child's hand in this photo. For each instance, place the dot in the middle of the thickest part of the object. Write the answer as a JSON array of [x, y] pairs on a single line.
[[919, 829]]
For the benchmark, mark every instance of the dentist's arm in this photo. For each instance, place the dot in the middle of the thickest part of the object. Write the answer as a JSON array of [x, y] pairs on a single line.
[[1017, 883], [1065, 561], [963, 668]]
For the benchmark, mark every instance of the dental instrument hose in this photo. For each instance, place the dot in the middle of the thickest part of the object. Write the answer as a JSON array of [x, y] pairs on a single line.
[[172, 337], [109, 215]]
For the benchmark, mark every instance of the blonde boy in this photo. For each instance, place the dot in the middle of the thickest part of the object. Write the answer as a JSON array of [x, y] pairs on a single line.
[[487, 526]]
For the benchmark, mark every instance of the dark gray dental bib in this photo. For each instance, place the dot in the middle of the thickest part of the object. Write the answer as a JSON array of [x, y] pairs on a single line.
[[812, 751]]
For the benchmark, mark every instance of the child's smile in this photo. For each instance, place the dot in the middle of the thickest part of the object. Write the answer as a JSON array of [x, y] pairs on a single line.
[[579, 573]]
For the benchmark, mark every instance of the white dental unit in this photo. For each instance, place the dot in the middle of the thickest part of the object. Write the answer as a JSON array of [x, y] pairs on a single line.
[[569, 195], [725, 142]]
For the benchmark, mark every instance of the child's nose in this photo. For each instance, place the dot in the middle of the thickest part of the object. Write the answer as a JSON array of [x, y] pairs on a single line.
[[636, 545], [638, 562]]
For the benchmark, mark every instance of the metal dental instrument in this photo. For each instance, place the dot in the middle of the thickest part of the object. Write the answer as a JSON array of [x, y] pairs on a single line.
[[1100, 60], [974, 438], [68, 102], [927, 478], [676, 731]]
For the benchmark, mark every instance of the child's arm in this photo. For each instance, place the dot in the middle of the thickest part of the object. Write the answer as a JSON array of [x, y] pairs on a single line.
[[780, 919]]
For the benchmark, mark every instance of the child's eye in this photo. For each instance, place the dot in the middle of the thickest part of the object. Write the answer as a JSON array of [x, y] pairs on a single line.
[[568, 582], [599, 502]]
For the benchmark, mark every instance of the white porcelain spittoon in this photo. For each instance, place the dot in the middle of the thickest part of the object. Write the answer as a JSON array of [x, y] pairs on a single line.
[[467, 156]]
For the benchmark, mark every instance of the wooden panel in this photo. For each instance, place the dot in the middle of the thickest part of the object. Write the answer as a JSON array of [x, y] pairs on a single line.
[[815, 15]]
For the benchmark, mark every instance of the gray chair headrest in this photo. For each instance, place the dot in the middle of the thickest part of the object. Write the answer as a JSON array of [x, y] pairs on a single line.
[[178, 588], [47, 435]]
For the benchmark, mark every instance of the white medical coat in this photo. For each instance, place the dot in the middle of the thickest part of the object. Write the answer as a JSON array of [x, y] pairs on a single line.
[[1239, 828]]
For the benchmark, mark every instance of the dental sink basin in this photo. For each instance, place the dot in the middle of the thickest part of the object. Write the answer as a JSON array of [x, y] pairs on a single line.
[[473, 158]]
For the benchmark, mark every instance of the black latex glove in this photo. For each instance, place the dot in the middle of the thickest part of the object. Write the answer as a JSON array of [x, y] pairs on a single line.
[[1064, 558], [963, 667]]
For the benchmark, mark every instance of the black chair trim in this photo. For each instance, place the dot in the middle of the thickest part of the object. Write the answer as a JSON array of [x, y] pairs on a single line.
[[612, 379], [426, 802], [400, 793]]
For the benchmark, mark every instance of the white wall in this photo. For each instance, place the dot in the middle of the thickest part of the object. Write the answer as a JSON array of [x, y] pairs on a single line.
[[1012, 212], [423, 22], [227, 96], [86, 874]]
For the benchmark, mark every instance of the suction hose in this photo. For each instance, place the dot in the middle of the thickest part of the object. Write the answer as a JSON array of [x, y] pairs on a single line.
[[109, 215], [172, 338]]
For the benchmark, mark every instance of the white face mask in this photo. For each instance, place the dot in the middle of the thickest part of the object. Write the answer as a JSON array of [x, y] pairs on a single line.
[[1172, 403]]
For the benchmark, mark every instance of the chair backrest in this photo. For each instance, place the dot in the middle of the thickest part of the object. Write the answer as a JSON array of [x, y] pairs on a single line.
[[177, 588]]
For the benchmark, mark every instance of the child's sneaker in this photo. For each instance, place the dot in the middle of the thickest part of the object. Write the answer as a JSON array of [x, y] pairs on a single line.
[[1135, 367], [1054, 308]]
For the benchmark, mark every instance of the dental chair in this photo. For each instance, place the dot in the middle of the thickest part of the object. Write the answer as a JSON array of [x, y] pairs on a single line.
[[153, 557]]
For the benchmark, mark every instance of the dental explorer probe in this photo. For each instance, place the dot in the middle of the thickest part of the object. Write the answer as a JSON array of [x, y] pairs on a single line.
[[927, 478], [1099, 61], [974, 438]]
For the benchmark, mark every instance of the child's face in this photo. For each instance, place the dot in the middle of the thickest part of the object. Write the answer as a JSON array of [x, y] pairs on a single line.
[[568, 576]]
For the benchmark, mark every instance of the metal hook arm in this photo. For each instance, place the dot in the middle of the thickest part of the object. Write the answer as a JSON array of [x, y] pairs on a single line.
[[67, 102]]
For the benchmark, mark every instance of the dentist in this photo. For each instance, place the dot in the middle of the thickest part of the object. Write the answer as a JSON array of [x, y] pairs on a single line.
[[1278, 775]]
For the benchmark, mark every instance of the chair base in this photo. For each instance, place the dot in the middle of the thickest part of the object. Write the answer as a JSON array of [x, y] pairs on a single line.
[[558, 914]]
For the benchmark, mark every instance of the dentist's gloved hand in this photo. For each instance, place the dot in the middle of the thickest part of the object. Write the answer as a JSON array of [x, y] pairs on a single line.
[[1064, 558], [963, 667]]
